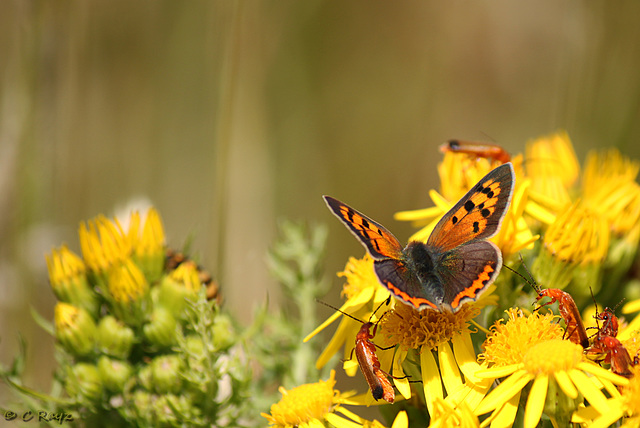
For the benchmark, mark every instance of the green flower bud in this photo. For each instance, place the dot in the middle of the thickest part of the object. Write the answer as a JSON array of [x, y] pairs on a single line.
[[166, 374], [168, 407], [75, 329], [145, 377], [161, 329], [181, 284], [223, 332], [114, 373], [84, 382], [114, 338]]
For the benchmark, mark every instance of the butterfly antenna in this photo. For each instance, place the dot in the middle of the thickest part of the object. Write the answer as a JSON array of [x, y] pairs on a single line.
[[341, 311]]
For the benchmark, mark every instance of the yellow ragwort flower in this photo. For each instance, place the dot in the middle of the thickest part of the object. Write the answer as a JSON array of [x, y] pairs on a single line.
[[435, 335], [103, 243], [310, 405], [578, 238], [68, 277], [553, 168], [609, 188], [530, 353]]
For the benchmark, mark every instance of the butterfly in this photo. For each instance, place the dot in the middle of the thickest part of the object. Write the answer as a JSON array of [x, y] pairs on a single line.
[[456, 264]]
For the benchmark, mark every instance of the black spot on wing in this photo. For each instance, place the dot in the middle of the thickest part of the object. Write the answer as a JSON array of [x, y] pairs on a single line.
[[485, 213], [476, 227], [469, 205]]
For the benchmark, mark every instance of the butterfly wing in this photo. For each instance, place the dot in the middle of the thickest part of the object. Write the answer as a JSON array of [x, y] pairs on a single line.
[[379, 242], [479, 213], [467, 271], [394, 275]]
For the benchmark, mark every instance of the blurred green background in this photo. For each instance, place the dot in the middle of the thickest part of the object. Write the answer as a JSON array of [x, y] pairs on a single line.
[[228, 116]]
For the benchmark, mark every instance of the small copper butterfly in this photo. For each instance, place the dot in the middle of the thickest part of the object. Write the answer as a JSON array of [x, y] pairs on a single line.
[[456, 264]]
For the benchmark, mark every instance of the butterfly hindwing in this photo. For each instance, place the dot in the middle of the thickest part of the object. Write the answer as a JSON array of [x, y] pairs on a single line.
[[379, 242], [467, 271], [479, 213], [406, 286]]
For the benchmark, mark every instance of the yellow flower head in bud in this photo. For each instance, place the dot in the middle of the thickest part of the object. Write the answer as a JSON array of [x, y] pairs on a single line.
[[126, 283], [103, 243], [150, 240], [187, 274], [75, 329], [64, 266]]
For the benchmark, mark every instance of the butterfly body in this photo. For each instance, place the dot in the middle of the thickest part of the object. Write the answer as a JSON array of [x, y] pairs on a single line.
[[456, 264]]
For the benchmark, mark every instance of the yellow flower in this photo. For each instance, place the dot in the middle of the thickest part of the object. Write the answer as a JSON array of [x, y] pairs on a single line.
[[530, 351], [578, 237], [441, 342], [68, 277], [148, 245], [310, 405], [364, 294], [128, 292], [553, 168], [609, 189], [624, 405], [103, 243]]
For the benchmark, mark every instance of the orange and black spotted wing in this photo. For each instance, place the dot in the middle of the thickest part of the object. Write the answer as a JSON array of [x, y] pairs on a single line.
[[379, 242], [479, 213]]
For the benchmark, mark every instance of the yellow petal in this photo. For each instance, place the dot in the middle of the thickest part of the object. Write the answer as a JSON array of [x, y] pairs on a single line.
[[503, 392], [448, 368], [601, 373], [565, 384], [535, 402], [505, 416], [430, 378], [402, 384], [595, 397], [401, 421], [465, 356], [498, 372], [607, 419], [336, 421]]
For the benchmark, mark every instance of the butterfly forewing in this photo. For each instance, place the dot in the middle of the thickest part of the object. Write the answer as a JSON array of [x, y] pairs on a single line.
[[379, 242], [479, 213]]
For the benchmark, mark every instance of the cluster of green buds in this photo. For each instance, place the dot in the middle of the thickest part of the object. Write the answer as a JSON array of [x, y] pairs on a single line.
[[139, 342]]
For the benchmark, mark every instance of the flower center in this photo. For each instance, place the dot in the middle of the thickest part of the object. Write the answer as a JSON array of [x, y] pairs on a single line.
[[510, 342], [414, 329], [552, 356]]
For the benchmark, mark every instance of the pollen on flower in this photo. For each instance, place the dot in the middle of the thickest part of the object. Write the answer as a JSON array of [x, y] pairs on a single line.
[[631, 392], [427, 329], [303, 403], [552, 356], [359, 274], [508, 343]]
